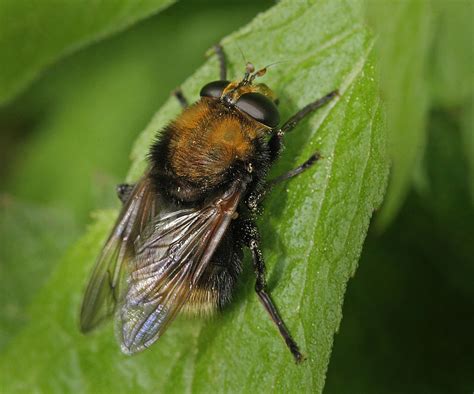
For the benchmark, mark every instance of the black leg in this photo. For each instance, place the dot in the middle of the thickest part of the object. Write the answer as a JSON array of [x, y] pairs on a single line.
[[260, 288], [291, 123], [180, 97], [295, 171], [254, 199], [275, 143], [123, 192], [222, 64]]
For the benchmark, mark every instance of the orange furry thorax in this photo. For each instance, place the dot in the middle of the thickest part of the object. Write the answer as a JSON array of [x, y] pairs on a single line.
[[208, 138]]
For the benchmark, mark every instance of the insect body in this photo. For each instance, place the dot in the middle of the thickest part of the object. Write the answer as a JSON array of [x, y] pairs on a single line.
[[177, 245]]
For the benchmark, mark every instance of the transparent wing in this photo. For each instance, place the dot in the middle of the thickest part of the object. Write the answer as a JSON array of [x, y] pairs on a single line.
[[105, 286], [171, 256]]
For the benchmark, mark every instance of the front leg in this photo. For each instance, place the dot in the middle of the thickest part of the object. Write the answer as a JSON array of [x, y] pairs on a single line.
[[252, 240], [183, 101], [178, 93], [291, 123], [222, 63], [275, 143]]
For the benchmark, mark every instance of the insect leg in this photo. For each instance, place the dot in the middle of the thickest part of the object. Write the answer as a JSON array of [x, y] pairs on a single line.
[[275, 142], [291, 123], [123, 191], [222, 64], [295, 171], [254, 199], [178, 93], [260, 288]]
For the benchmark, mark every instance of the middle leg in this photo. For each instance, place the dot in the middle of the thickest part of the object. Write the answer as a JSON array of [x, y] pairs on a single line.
[[254, 199], [295, 171]]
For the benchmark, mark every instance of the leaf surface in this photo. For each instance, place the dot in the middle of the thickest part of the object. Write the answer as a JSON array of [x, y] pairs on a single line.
[[312, 228], [404, 30], [35, 34], [32, 239], [452, 76]]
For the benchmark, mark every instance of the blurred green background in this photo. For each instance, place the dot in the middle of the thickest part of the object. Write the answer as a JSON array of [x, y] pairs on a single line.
[[408, 319]]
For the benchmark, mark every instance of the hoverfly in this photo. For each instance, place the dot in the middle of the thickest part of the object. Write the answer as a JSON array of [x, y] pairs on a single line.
[[177, 245]]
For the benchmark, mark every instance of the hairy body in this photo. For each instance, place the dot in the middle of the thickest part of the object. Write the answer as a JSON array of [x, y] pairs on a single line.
[[205, 149]]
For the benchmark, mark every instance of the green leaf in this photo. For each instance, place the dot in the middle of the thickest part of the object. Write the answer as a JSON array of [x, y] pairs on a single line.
[[312, 228], [33, 238], [34, 35], [452, 76], [423, 262], [467, 131], [404, 36]]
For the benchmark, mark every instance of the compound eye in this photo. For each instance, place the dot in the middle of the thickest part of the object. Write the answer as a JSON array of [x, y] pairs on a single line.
[[214, 89], [260, 108]]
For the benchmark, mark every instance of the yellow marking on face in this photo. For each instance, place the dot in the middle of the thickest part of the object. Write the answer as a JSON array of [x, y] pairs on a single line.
[[236, 91]]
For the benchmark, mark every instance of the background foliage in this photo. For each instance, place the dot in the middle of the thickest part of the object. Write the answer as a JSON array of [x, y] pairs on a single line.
[[63, 146]]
